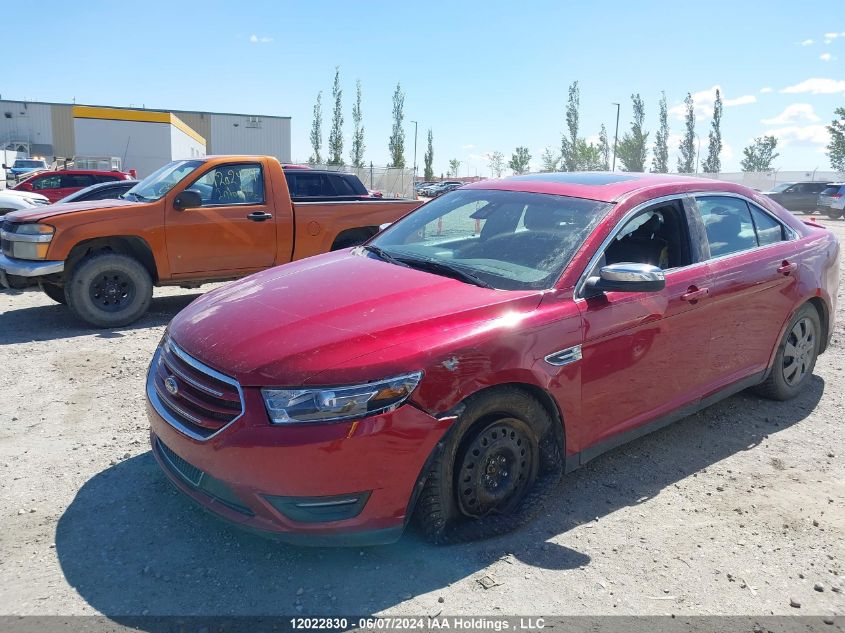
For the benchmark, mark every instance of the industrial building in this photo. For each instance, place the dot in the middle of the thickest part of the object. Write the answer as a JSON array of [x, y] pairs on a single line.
[[142, 139]]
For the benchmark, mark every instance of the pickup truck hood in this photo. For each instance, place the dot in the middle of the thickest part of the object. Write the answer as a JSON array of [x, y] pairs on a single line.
[[52, 210], [283, 326]]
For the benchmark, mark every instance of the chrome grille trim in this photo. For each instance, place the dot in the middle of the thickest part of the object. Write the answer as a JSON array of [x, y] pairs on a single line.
[[162, 409], [564, 356]]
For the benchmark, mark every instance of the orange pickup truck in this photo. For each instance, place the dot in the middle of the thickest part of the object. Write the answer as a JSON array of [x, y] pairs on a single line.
[[193, 221]]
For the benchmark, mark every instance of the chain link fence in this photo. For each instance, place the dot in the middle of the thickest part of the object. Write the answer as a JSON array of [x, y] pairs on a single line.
[[767, 180], [392, 182]]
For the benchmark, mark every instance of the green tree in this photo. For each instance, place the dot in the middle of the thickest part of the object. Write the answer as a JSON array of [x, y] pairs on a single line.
[[549, 160], [336, 133], [396, 145], [317, 132], [358, 146], [589, 156], [496, 163], [686, 161], [428, 158], [760, 154], [660, 160], [520, 159], [604, 149], [712, 164], [454, 167], [569, 158], [632, 150], [836, 148]]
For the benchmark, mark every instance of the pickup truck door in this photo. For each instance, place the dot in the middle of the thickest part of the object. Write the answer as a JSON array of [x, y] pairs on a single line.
[[234, 229]]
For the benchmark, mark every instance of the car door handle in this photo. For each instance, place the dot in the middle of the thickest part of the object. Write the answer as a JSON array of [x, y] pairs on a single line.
[[787, 267], [694, 294], [259, 216]]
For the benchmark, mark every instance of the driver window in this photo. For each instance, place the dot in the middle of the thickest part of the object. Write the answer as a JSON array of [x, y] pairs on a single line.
[[657, 236], [231, 184]]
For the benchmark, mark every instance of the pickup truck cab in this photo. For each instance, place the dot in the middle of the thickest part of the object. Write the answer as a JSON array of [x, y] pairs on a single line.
[[194, 221], [23, 166]]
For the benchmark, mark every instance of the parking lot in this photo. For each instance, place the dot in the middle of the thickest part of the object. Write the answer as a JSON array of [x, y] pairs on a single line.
[[736, 510]]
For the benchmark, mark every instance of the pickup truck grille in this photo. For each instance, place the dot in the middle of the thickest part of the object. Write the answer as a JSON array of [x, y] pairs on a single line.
[[191, 396]]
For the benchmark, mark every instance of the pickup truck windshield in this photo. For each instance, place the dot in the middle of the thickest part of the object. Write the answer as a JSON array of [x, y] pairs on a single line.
[[502, 239], [158, 183]]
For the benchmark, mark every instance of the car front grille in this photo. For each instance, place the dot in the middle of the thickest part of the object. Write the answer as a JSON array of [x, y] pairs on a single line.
[[189, 472], [190, 395]]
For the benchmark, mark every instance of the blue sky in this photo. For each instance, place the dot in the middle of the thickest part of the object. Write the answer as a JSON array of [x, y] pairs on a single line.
[[484, 76]]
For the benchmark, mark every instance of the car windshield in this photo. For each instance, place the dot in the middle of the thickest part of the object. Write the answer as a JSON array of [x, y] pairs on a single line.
[[781, 187], [29, 163], [158, 183], [501, 239]]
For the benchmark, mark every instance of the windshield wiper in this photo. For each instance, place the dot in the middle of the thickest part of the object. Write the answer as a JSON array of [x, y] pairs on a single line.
[[437, 266], [383, 254]]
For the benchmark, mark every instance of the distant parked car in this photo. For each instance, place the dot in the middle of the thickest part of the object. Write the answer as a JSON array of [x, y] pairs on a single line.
[[101, 191], [23, 166], [832, 200], [797, 196], [59, 184], [446, 187], [435, 189], [15, 200]]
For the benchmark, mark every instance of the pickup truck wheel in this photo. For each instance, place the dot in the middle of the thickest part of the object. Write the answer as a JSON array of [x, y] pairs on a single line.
[[109, 290], [795, 358], [494, 473], [55, 292]]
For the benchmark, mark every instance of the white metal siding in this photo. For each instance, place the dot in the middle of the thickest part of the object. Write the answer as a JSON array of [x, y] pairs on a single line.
[[235, 134], [30, 122], [141, 145]]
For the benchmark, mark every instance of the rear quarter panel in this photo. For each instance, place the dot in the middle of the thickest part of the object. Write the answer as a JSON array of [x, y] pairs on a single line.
[[319, 223]]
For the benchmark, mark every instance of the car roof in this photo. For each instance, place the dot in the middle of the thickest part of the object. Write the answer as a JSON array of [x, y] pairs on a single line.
[[604, 186]]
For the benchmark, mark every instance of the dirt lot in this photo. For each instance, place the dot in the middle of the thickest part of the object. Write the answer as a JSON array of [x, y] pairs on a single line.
[[737, 510]]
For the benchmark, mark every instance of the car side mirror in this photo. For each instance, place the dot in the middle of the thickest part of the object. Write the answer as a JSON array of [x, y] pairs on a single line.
[[628, 277], [5, 166], [188, 199]]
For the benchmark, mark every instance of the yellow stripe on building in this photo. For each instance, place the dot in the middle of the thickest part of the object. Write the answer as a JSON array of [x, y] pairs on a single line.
[[144, 116]]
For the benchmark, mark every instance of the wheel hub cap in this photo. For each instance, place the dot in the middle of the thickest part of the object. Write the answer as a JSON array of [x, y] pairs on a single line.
[[799, 352]]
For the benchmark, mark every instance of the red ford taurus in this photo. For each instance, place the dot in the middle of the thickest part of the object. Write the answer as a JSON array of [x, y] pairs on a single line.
[[453, 368]]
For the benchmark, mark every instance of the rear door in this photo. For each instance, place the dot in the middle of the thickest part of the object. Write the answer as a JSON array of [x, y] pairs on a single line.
[[234, 229], [755, 276]]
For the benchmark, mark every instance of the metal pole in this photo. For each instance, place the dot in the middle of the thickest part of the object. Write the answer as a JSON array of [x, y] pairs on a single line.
[[697, 153], [415, 150], [813, 179], [615, 137]]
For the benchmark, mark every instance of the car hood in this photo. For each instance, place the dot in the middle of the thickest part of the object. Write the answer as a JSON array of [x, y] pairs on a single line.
[[284, 325], [42, 213], [11, 194]]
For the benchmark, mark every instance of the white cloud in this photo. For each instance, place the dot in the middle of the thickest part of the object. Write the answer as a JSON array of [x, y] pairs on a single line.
[[703, 103], [766, 90], [817, 86], [826, 57], [831, 36], [470, 146], [807, 43], [794, 113], [806, 135], [255, 39]]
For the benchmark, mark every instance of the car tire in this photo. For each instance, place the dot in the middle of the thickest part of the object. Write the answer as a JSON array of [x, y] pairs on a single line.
[[513, 436], [834, 214], [109, 290], [55, 292], [796, 356]]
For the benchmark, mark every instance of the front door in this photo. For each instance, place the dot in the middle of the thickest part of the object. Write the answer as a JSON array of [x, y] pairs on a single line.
[[643, 353], [234, 229]]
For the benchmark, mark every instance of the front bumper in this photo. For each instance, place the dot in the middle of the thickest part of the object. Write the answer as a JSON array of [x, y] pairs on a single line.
[[257, 475], [30, 268]]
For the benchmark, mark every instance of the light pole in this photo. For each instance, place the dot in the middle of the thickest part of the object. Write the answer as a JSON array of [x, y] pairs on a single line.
[[415, 150], [615, 137], [697, 153]]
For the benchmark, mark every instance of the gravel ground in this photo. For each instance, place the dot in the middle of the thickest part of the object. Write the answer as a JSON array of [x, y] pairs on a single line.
[[737, 510]]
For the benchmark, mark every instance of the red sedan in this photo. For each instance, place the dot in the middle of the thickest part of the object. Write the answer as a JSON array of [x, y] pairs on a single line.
[[55, 185], [453, 368]]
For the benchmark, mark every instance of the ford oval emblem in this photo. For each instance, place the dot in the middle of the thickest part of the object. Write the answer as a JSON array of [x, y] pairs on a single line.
[[171, 385]]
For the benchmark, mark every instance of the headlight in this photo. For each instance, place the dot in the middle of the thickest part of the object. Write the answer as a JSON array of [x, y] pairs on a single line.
[[330, 404], [29, 241]]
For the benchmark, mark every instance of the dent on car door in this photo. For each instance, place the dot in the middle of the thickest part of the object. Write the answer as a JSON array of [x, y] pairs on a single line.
[[641, 351], [755, 273]]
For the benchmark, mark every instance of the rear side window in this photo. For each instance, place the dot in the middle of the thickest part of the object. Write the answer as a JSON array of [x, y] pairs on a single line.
[[48, 182], [833, 190], [733, 225], [77, 180]]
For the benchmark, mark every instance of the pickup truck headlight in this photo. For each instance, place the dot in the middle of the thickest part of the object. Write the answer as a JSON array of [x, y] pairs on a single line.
[[28, 241], [333, 404]]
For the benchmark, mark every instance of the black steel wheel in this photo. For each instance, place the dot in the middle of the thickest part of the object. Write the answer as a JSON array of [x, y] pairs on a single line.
[[109, 289], [112, 291], [497, 466]]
